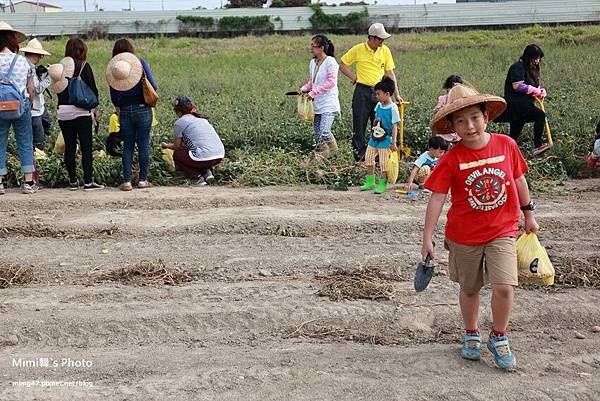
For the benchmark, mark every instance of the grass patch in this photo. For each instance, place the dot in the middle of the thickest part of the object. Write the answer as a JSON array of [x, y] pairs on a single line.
[[240, 84], [145, 273], [13, 275], [368, 283]]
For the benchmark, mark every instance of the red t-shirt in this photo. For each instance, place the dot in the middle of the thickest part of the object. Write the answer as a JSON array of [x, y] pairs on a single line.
[[485, 200]]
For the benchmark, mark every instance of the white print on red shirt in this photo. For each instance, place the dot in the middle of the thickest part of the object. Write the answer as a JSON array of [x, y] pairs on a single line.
[[482, 162], [487, 188]]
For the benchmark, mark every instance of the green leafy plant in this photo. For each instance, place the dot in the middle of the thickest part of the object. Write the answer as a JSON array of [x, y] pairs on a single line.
[[257, 24], [196, 21], [353, 22]]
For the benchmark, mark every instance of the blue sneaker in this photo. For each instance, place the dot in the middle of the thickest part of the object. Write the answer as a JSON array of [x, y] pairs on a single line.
[[498, 346], [471, 348]]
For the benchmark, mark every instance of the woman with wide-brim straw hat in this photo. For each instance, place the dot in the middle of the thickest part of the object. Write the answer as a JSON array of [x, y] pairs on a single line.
[[76, 123], [22, 77], [40, 121], [484, 172], [125, 73]]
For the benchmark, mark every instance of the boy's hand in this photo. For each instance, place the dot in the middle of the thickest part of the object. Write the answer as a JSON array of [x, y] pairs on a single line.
[[163, 145], [427, 249], [394, 147], [531, 226]]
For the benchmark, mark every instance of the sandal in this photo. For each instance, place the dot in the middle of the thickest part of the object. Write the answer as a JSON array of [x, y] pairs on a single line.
[[126, 186], [144, 184]]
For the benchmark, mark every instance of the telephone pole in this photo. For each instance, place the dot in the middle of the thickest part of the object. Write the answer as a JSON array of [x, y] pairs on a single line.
[[84, 6]]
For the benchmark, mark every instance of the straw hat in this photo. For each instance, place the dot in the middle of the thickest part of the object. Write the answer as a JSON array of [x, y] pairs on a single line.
[[377, 29], [124, 71], [59, 72], [459, 97], [7, 28], [56, 73], [34, 46]]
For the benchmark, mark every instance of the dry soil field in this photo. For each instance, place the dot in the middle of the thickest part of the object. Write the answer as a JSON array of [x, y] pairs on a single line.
[[250, 326]]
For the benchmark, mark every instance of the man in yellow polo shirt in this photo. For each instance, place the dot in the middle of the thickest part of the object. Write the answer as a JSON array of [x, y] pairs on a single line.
[[373, 60]]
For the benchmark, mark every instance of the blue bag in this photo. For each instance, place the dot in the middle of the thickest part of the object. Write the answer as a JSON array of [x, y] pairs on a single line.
[[80, 94], [11, 99]]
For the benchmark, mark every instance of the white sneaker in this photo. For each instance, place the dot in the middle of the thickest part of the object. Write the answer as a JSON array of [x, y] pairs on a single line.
[[208, 176], [29, 189], [201, 182]]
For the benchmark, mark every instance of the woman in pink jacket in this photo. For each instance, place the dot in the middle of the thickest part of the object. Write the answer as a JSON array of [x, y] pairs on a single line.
[[323, 91]]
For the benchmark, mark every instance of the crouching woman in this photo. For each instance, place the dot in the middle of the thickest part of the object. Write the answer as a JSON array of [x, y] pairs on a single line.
[[197, 146]]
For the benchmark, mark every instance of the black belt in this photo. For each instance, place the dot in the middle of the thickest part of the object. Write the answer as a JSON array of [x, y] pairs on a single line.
[[363, 85]]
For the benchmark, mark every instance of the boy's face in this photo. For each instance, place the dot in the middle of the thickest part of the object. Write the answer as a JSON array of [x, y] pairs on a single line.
[[436, 153], [382, 96], [469, 123]]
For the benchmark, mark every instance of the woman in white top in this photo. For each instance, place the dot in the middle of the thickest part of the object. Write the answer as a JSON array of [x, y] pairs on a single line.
[[21, 76], [322, 89]]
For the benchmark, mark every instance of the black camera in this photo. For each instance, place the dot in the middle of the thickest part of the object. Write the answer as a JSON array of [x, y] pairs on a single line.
[[41, 70]]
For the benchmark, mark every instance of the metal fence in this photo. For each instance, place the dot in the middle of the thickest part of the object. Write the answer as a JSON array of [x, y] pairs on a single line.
[[473, 14]]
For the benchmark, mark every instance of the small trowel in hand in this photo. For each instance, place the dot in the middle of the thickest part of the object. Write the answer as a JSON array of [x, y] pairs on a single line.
[[424, 273]]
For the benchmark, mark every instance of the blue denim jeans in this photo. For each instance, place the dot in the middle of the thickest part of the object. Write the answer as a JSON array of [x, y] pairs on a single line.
[[136, 123], [24, 138]]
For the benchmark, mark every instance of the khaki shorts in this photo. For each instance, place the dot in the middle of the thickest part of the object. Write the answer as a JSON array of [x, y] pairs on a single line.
[[473, 265]]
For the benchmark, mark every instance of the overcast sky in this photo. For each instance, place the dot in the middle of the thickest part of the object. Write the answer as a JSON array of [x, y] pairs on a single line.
[[77, 5]]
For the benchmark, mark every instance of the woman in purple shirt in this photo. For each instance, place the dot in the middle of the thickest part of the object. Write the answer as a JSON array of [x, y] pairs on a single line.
[[125, 73]]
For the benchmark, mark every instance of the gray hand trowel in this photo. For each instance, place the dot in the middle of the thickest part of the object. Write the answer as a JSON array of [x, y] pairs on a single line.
[[424, 273]]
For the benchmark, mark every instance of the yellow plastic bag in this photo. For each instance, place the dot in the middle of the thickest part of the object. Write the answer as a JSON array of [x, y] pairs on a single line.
[[59, 145], [167, 156], [99, 154], [306, 109], [533, 261], [39, 154], [391, 168]]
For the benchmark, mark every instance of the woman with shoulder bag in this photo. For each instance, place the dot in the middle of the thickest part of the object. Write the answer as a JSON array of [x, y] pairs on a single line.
[[16, 70], [128, 76], [74, 118]]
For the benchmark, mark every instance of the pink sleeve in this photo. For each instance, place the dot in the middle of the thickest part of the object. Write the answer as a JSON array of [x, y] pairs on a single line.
[[307, 86], [442, 100], [330, 82]]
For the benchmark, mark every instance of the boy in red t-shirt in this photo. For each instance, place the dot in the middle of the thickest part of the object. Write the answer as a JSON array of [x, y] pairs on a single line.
[[484, 173]]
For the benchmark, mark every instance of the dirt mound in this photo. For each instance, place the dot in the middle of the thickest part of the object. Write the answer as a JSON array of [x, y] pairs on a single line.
[[321, 331]]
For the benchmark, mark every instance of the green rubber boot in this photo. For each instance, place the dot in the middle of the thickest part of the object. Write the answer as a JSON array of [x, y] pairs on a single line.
[[369, 183], [381, 186]]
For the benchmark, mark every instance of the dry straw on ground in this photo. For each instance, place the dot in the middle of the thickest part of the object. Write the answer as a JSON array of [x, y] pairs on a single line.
[[318, 330], [146, 273], [364, 283], [11, 275], [578, 272]]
